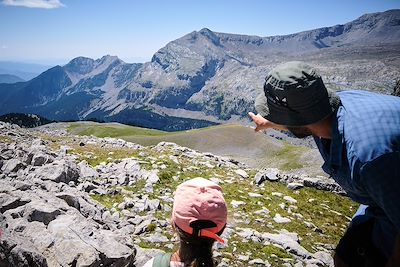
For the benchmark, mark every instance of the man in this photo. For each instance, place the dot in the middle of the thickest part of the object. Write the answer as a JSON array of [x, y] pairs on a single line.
[[358, 136]]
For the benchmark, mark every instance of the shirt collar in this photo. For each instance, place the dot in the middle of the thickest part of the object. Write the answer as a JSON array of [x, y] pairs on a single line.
[[332, 149], [336, 148]]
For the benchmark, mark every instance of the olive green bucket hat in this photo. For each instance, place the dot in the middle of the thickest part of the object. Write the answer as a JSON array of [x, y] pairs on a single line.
[[295, 95]]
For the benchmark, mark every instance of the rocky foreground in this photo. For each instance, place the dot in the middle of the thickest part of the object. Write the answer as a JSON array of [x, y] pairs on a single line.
[[86, 201]]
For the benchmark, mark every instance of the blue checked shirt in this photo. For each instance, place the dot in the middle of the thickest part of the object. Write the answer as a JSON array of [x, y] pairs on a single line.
[[363, 156]]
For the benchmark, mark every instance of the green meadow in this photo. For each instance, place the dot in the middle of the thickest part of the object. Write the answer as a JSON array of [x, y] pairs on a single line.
[[236, 141]]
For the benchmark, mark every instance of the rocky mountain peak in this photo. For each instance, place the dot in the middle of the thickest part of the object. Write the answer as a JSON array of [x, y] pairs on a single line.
[[383, 27], [389, 17], [84, 65], [107, 59], [211, 36], [80, 65]]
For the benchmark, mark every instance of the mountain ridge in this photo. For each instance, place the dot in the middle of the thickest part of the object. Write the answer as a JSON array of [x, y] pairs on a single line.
[[210, 76], [10, 78]]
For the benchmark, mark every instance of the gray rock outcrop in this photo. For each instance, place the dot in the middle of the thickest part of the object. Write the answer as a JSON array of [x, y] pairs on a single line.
[[294, 181], [46, 222]]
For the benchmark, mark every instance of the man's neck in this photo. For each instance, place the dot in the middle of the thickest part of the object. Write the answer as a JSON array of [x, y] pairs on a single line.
[[323, 128]]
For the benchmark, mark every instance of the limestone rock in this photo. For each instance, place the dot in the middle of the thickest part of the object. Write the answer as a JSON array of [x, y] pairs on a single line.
[[12, 165], [259, 262], [236, 203], [87, 171], [19, 254], [242, 173], [290, 199], [324, 257], [59, 171], [41, 212], [270, 174], [143, 255], [279, 219], [295, 186]]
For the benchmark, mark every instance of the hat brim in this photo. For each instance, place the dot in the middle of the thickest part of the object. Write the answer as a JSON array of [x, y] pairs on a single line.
[[282, 116]]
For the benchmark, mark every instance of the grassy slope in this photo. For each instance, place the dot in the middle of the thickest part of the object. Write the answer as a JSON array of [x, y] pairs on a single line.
[[111, 130], [239, 142], [329, 213]]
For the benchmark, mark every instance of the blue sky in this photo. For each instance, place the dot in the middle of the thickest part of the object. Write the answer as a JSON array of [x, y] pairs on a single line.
[[55, 31]]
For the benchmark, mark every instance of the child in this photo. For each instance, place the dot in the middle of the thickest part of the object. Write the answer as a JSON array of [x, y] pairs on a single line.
[[199, 217]]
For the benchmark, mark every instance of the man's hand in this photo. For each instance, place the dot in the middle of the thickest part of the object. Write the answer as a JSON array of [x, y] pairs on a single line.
[[262, 123]]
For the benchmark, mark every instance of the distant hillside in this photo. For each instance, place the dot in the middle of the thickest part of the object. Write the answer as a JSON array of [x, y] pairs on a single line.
[[236, 141], [8, 78], [24, 120], [205, 77], [25, 71]]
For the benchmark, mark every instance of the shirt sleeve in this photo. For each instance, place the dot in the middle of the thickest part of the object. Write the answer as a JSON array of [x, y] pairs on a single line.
[[381, 180]]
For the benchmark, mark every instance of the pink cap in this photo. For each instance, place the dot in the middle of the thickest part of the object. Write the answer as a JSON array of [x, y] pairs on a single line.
[[200, 199]]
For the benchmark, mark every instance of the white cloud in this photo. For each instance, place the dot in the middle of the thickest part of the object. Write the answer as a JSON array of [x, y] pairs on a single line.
[[47, 4]]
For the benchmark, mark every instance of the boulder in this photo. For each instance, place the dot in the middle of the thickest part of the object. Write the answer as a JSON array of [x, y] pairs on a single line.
[[259, 262], [16, 250], [323, 183], [270, 174], [242, 173], [20, 254], [87, 187], [237, 203], [295, 185], [143, 255], [80, 240], [22, 185], [152, 177], [290, 199], [288, 242], [142, 227], [152, 204], [41, 212], [71, 199], [87, 171], [7, 154], [12, 165], [324, 257], [59, 171], [279, 219], [157, 238], [41, 158], [123, 179], [8, 202]]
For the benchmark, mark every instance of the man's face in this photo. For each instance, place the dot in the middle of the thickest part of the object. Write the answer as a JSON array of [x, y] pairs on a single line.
[[300, 132]]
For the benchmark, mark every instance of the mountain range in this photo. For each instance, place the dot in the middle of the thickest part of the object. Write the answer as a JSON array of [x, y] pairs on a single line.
[[9, 78], [24, 71], [206, 77]]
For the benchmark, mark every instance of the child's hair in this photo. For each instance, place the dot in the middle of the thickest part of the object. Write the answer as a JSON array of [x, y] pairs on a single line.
[[195, 251]]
